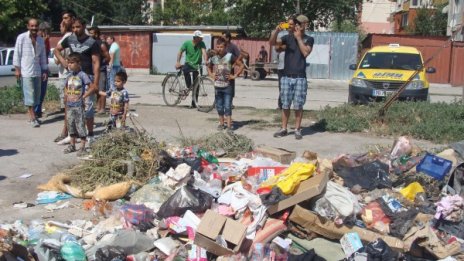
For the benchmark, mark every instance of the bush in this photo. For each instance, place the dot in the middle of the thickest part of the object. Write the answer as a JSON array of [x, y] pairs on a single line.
[[12, 100], [436, 122]]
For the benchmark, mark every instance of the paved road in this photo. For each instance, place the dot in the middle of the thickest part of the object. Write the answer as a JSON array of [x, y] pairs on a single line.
[[264, 94]]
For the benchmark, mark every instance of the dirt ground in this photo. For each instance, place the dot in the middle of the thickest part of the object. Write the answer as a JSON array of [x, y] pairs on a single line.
[[27, 150]]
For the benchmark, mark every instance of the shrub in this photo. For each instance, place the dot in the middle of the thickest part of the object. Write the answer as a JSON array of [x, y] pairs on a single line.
[[12, 100]]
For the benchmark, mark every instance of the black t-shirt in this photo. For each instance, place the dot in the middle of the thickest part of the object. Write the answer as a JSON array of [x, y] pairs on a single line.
[[85, 47], [295, 62]]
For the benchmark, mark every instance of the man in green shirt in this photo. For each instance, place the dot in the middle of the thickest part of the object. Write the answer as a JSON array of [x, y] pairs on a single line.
[[195, 51]]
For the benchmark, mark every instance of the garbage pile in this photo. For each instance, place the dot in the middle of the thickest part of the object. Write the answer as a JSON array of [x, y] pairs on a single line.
[[397, 204]]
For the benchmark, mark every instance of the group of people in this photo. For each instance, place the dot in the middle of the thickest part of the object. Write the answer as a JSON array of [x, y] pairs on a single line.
[[90, 71], [225, 64], [86, 62]]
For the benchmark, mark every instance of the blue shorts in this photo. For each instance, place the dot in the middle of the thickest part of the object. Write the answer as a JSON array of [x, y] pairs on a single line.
[[293, 90], [31, 90]]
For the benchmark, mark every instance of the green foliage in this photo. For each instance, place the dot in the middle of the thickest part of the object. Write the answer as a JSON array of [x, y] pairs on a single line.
[[12, 100], [430, 22], [190, 12], [14, 15], [437, 122]]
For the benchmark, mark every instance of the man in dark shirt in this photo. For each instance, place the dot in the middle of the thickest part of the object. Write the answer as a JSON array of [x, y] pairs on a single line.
[[262, 56], [294, 85], [89, 51]]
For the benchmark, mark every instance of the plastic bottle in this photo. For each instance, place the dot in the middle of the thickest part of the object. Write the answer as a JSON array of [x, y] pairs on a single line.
[[207, 156], [215, 185], [258, 252]]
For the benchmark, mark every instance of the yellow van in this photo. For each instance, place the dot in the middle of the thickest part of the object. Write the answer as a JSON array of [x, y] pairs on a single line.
[[383, 70]]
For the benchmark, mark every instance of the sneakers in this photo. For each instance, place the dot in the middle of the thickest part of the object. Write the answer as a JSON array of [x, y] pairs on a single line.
[[35, 123], [281, 133], [60, 137], [90, 140], [64, 141], [298, 135]]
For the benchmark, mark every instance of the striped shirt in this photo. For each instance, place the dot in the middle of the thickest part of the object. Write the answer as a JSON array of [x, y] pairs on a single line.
[[32, 61]]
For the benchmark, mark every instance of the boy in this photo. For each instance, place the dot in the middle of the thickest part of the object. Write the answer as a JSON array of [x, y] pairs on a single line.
[[75, 94], [219, 69], [119, 100]]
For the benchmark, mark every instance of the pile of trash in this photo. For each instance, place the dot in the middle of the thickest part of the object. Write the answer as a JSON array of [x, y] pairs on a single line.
[[397, 204]]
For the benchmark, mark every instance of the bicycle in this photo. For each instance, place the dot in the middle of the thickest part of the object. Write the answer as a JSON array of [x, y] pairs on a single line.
[[175, 90]]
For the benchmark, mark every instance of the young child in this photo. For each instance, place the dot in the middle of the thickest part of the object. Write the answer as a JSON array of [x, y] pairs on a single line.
[[75, 94], [220, 66], [119, 100]]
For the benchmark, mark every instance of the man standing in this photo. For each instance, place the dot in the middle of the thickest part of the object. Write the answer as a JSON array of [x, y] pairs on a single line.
[[114, 64], [44, 32], [89, 52], [262, 56], [281, 57], [104, 59], [194, 50], [30, 61], [233, 49], [294, 85]]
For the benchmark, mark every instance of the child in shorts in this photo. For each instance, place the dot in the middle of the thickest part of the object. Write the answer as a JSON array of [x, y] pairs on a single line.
[[119, 101], [219, 69], [75, 94]]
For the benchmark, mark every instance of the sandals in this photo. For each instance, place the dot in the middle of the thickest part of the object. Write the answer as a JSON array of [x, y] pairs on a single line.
[[70, 149]]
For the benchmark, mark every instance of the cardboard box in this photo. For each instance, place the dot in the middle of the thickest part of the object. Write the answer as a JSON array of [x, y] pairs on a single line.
[[306, 190], [281, 155], [311, 222], [213, 225]]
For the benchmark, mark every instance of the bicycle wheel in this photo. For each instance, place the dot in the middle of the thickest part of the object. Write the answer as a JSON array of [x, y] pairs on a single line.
[[204, 94], [171, 90]]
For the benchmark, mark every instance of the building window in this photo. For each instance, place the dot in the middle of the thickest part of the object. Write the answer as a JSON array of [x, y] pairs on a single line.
[[416, 3], [404, 20]]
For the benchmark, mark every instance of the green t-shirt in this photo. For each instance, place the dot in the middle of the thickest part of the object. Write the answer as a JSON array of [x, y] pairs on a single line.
[[193, 53]]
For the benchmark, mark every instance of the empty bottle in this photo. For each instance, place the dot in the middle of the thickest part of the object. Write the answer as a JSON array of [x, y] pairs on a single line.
[[207, 156]]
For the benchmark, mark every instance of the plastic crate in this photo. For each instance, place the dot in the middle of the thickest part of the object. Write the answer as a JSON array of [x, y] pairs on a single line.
[[434, 166]]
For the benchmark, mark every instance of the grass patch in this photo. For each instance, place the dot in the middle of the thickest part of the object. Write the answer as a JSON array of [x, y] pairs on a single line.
[[232, 144], [436, 122], [12, 99]]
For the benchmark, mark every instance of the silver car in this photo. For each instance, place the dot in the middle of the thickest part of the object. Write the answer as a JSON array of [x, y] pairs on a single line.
[[52, 66]]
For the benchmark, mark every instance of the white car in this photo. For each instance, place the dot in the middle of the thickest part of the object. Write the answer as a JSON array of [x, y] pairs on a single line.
[[53, 68], [6, 61]]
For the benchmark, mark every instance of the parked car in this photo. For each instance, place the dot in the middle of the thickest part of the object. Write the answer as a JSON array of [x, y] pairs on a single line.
[[6, 61], [53, 68], [384, 69]]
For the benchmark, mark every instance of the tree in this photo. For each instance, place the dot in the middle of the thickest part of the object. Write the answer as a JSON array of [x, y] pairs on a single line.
[[191, 12], [430, 22], [14, 15], [259, 17]]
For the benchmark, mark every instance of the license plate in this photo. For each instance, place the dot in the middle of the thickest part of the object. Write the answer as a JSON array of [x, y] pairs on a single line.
[[381, 93]]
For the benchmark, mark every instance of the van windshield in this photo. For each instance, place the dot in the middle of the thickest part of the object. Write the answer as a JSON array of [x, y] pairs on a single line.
[[399, 61]]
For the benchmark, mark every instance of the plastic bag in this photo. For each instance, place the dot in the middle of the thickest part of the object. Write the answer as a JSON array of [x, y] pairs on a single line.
[[110, 253], [411, 190], [185, 198], [401, 146], [376, 250], [374, 217], [369, 176], [290, 178], [72, 251]]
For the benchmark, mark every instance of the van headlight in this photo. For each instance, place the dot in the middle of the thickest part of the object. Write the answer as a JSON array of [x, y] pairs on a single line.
[[415, 85], [357, 82]]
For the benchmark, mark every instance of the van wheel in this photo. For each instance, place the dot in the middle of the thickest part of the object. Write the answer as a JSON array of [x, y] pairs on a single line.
[[255, 75]]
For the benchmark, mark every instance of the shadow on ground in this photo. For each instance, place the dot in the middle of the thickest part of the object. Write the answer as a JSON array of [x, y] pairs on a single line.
[[8, 152]]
